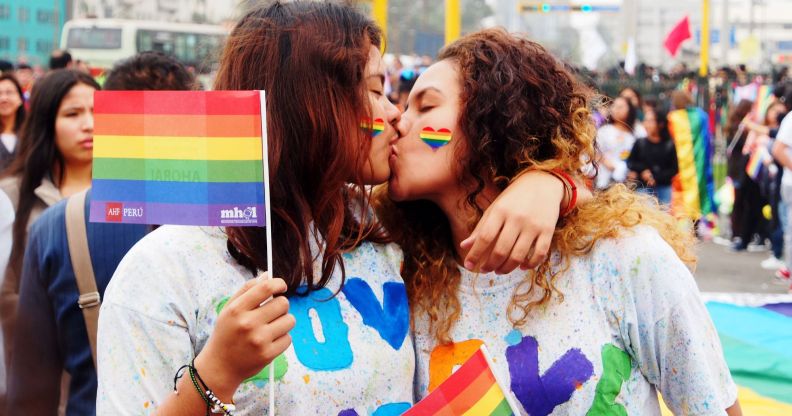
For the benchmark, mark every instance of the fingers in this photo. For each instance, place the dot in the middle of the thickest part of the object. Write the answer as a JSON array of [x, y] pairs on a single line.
[[277, 347], [261, 291], [281, 326], [541, 249], [271, 310], [484, 236], [250, 283], [519, 253], [502, 248]]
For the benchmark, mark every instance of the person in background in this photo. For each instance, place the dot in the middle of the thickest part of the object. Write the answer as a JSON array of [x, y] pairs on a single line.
[[26, 77], [782, 150], [637, 101], [51, 334], [653, 161], [6, 66], [736, 161], [615, 140], [54, 160], [12, 114], [60, 59]]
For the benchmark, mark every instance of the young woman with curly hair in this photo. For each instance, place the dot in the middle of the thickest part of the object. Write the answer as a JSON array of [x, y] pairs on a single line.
[[611, 317]]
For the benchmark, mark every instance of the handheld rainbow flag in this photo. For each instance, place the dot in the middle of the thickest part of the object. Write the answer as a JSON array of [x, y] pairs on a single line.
[[179, 157], [759, 158], [764, 97], [373, 127], [694, 185], [436, 139], [472, 390]]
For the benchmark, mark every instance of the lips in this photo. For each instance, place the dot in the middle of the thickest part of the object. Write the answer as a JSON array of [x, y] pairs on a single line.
[[86, 143]]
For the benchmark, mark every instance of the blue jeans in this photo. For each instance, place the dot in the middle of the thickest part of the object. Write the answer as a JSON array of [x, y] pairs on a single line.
[[662, 193]]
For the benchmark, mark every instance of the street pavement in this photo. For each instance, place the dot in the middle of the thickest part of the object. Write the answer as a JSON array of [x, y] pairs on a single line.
[[720, 270]]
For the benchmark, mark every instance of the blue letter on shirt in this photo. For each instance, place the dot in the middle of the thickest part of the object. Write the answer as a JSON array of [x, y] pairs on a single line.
[[332, 354], [391, 319]]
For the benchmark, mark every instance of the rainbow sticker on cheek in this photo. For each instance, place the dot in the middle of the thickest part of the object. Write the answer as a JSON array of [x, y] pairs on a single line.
[[435, 138], [373, 128]]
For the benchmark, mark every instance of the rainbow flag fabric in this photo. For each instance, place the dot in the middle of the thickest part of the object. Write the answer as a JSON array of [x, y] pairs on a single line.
[[759, 158], [178, 157], [471, 390], [694, 185], [755, 331], [764, 96]]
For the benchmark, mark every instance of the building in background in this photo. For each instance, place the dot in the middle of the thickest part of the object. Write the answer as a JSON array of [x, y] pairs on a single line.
[[30, 29], [755, 32]]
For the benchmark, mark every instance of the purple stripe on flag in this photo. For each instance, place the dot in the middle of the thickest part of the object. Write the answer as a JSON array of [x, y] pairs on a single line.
[[782, 308], [177, 214]]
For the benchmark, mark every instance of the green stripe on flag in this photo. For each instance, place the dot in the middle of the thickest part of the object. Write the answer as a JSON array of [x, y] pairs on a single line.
[[178, 170], [764, 371], [503, 409]]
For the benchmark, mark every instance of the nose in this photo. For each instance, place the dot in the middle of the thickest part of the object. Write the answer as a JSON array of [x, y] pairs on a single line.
[[403, 126], [392, 112], [89, 121]]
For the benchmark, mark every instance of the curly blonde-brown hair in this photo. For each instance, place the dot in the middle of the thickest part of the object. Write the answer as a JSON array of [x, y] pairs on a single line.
[[521, 109]]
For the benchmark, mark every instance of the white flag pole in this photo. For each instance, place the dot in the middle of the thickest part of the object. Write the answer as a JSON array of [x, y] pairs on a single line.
[[268, 225], [506, 392]]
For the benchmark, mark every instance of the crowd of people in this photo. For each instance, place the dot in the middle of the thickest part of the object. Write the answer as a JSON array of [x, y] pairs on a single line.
[[541, 226]]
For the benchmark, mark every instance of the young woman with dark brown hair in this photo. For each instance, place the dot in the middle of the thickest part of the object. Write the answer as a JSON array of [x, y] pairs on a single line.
[[54, 160], [611, 318], [12, 114], [345, 348]]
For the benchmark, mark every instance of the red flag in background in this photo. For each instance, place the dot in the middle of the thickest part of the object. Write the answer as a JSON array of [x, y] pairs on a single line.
[[679, 34]]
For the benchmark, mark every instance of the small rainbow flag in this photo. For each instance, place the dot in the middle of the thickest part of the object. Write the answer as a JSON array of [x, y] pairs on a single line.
[[374, 128], [471, 390], [759, 158], [178, 157], [694, 186], [764, 97], [435, 139]]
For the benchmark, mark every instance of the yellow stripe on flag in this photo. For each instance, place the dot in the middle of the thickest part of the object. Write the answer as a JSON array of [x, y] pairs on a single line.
[[488, 403], [683, 140], [179, 148], [751, 403]]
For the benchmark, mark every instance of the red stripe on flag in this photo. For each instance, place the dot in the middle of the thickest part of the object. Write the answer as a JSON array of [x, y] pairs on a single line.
[[437, 403], [177, 102]]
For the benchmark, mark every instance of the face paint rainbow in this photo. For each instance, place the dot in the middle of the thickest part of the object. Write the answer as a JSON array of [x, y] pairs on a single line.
[[374, 128], [435, 139]]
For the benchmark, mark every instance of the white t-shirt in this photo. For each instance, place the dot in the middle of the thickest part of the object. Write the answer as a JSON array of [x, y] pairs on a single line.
[[631, 323], [9, 141], [350, 355], [615, 145], [784, 136]]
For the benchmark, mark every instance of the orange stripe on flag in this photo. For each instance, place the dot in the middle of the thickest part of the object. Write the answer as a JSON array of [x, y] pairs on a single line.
[[188, 125]]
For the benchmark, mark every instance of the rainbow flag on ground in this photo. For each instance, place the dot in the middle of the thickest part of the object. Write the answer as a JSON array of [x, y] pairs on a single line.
[[471, 390], [756, 334], [178, 157], [694, 188]]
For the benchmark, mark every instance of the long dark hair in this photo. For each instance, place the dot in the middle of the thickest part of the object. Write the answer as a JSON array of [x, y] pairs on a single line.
[[736, 116], [20, 113], [310, 58], [661, 118], [38, 156], [632, 114]]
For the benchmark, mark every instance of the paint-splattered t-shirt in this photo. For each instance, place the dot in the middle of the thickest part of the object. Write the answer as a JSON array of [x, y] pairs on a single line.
[[630, 323], [351, 354]]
